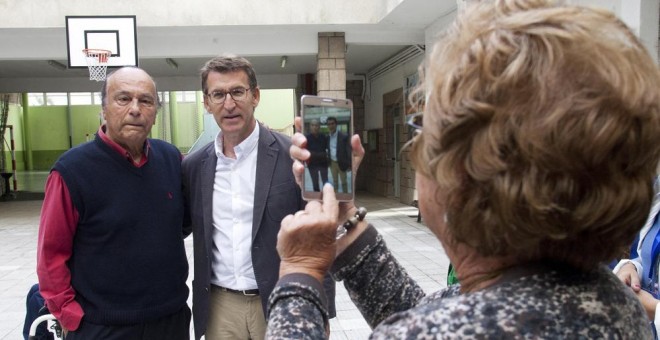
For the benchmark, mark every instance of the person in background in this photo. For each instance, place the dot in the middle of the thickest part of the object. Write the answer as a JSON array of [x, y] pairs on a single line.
[[339, 150], [533, 166], [318, 162], [237, 189], [640, 272], [111, 261]]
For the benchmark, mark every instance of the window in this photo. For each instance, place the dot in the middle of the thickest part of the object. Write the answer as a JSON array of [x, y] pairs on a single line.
[[36, 99], [56, 98], [96, 98], [186, 96], [81, 98]]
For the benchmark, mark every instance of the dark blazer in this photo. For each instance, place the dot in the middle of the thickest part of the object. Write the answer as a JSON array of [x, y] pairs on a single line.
[[276, 195], [318, 148], [343, 151]]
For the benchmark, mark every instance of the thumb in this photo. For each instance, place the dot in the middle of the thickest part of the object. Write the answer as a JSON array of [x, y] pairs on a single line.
[[330, 205]]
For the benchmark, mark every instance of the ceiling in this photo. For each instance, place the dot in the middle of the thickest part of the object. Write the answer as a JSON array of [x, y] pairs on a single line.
[[24, 63], [359, 59]]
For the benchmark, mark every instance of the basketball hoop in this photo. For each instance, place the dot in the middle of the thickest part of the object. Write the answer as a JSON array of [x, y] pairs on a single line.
[[97, 61]]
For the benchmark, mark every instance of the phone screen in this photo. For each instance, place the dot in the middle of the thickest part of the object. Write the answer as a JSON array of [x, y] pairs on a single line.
[[328, 127]]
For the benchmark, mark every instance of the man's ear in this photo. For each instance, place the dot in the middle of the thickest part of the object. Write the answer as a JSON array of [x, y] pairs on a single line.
[[256, 96], [206, 103]]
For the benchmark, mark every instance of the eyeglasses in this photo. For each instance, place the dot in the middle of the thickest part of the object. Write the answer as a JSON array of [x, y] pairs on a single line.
[[416, 121], [237, 94]]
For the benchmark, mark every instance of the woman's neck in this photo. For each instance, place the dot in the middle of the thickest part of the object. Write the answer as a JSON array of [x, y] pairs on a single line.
[[475, 271]]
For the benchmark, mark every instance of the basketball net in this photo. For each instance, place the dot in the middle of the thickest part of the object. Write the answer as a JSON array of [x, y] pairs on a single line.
[[97, 61]]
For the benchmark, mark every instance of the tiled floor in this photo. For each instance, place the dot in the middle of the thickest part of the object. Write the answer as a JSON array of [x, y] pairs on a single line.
[[411, 242]]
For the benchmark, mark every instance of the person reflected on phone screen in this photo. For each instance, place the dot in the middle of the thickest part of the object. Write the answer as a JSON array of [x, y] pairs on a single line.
[[317, 144]]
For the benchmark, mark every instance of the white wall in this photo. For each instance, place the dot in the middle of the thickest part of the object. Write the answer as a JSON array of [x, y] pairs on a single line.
[[384, 84], [431, 32], [396, 78], [50, 13], [640, 15]]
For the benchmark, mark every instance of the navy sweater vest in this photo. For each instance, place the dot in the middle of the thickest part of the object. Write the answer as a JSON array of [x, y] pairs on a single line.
[[129, 262]]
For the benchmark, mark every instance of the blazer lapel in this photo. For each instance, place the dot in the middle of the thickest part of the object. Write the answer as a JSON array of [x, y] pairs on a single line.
[[266, 160], [207, 174]]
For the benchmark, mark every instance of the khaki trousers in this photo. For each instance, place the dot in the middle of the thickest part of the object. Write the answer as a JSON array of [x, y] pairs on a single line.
[[235, 316], [336, 174]]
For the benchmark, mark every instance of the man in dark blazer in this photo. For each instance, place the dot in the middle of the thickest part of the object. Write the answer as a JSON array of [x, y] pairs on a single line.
[[340, 154], [237, 190]]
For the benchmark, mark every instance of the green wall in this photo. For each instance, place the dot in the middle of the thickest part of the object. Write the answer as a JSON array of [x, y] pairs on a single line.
[[188, 126], [48, 126], [277, 109], [49, 134], [85, 122]]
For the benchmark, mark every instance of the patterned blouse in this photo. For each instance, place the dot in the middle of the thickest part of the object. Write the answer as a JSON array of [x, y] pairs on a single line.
[[540, 302]]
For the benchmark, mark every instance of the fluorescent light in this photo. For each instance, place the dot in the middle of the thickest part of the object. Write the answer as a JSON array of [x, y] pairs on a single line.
[[56, 64], [171, 62]]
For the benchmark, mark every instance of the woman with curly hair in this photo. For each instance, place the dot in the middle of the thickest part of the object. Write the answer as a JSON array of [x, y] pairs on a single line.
[[534, 165]]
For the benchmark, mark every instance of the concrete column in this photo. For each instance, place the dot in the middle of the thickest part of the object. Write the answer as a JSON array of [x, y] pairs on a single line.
[[331, 65]]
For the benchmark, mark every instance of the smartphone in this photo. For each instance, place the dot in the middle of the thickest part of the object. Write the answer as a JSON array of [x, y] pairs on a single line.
[[327, 123]]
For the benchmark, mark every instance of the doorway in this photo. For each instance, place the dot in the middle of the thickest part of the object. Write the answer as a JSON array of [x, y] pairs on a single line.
[[392, 118]]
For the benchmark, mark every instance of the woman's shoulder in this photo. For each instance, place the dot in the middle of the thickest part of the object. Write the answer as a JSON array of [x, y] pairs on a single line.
[[547, 305]]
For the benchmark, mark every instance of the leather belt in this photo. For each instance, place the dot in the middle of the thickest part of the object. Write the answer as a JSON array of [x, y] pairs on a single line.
[[247, 292]]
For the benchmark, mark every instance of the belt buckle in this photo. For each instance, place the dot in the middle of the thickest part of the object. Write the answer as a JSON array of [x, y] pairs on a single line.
[[245, 293]]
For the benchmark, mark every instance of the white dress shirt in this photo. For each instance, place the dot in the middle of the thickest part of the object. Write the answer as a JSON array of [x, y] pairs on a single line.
[[233, 204], [332, 145]]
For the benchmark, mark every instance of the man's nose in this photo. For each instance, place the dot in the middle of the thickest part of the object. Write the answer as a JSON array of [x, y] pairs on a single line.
[[134, 106], [229, 103]]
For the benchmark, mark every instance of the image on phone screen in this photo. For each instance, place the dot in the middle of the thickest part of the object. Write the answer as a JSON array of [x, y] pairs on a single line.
[[328, 127]]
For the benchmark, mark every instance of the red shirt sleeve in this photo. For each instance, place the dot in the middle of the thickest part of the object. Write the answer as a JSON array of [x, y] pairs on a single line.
[[57, 228]]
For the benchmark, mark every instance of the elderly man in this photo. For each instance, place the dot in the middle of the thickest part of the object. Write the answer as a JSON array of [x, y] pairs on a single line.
[[111, 260]]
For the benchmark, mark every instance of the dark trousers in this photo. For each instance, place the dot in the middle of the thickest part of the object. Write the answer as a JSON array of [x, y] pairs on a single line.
[[172, 327], [314, 171], [34, 307]]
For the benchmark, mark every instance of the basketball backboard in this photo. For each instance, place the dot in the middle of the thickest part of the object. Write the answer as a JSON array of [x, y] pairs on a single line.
[[114, 33]]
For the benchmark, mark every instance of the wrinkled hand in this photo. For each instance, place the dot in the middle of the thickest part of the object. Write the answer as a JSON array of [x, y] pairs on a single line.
[[648, 302], [306, 241], [629, 276]]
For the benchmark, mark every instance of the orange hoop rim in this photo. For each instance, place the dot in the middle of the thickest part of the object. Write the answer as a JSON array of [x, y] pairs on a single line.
[[90, 52]]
